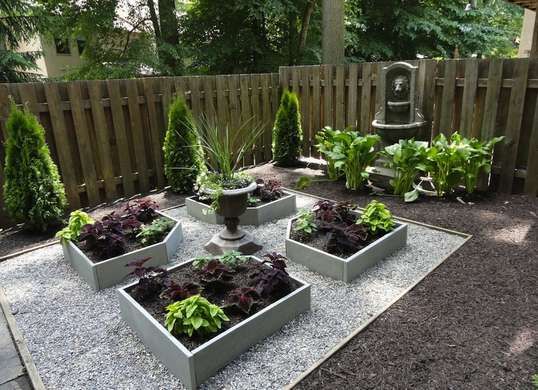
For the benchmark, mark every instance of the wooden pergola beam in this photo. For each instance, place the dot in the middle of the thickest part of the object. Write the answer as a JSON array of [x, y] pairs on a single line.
[[529, 4]]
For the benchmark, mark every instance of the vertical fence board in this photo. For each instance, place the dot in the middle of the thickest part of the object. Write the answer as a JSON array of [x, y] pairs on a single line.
[[267, 115], [449, 93], [155, 132], [426, 95], [328, 95], [84, 143], [61, 139], [305, 110], [469, 96], [138, 136], [316, 102], [531, 181], [340, 97], [120, 132], [257, 116], [513, 125], [492, 98], [166, 90], [246, 113], [235, 109], [351, 119], [103, 141], [366, 96]]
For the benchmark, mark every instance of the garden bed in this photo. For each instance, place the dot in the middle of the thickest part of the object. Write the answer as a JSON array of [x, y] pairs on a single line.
[[101, 274], [348, 266], [257, 215], [194, 359]]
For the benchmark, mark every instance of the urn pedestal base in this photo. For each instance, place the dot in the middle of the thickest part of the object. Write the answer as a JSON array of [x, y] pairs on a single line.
[[245, 244]]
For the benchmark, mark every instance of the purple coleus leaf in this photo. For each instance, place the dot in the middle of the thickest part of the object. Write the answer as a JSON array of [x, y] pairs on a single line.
[[244, 299], [144, 210], [178, 292]]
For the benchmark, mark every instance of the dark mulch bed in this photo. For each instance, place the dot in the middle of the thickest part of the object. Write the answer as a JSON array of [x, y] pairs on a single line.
[[188, 274], [471, 324], [17, 240]]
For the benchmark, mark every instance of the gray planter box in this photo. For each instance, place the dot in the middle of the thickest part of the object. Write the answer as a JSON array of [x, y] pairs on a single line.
[[112, 271], [194, 367], [350, 268], [259, 215]]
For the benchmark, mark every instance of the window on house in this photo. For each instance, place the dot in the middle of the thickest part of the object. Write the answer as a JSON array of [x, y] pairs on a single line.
[[81, 44], [62, 46]]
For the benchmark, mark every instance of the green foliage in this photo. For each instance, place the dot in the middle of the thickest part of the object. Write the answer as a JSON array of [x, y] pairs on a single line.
[[377, 218], [245, 36], [352, 153], [33, 192], [305, 223], [326, 141], [77, 220], [535, 381], [477, 157], [405, 157], [303, 182], [231, 259], [183, 160], [194, 315], [19, 21], [287, 131], [395, 29], [155, 232]]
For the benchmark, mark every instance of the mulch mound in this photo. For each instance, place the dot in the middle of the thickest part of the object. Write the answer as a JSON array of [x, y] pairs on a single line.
[[471, 324]]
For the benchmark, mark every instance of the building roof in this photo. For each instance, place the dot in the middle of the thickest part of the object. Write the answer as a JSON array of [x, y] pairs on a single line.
[[529, 4]]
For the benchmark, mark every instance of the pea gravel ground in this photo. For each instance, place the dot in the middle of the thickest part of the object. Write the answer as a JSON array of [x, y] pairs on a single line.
[[78, 339]]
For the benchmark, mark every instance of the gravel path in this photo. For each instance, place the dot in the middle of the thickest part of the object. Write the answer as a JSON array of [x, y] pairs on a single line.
[[78, 340]]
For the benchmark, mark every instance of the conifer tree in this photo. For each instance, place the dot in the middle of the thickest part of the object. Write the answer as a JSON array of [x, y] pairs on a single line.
[[287, 131]]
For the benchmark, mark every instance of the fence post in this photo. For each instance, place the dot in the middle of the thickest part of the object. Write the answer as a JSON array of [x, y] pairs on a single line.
[[426, 95]]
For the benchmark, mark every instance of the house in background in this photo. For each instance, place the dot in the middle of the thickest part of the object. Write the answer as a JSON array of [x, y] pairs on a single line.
[[58, 56], [528, 45]]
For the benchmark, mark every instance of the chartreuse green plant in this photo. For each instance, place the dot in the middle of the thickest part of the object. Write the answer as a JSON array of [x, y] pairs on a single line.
[[352, 153], [287, 131], [326, 141], [33, 191], [155, 232], [477, 157], [77, 220], [194, 315], [183, 157], [305, 223], [535, 381], [377, 218], [405, 158]]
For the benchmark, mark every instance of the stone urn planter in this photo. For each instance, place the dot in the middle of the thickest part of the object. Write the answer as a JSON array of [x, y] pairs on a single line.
[[254, 215], [194, 366], [107, 273], [231, 205]]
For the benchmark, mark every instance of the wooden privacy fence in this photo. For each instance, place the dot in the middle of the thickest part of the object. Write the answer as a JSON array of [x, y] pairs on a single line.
[[106, 136], [478, 98]]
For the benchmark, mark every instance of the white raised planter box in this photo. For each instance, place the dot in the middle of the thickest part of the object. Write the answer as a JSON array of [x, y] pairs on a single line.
[[109, 272], [256, 216], [194, 367], [349, 268]]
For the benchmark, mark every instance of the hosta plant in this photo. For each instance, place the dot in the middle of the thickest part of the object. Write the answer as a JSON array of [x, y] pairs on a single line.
[[77, 220], [405, 158], [194, 315], [353, 153], [156, 231], [326, 141], [305, 224], [377, 218]]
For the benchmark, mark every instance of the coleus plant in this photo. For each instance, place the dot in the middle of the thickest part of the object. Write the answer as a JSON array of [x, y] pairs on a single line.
[[151, 280], [331, 212], [345, 238], [143, 210], [178, 292], [273, 281], [244, 300], [216, 276], [268, 191], [106, 237]]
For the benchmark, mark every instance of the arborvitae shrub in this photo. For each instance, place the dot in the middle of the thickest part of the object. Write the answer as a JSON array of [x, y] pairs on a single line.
[[287, 132], [33, 191], [182, 151]]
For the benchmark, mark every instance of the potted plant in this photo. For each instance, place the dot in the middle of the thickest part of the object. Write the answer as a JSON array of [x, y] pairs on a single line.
[[99, 250], [199, 315], [269, 201], [227, 188], [339, 241]]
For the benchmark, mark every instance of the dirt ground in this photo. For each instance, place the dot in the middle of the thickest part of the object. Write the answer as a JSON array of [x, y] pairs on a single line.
[[471, 324]]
